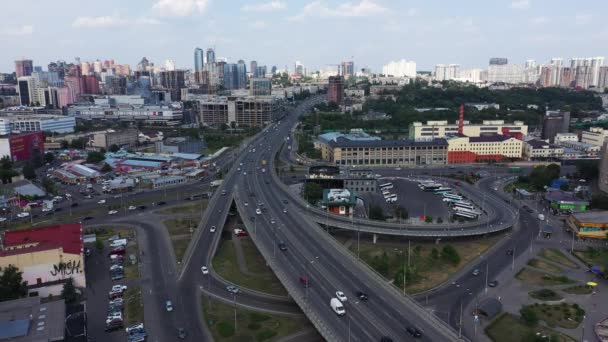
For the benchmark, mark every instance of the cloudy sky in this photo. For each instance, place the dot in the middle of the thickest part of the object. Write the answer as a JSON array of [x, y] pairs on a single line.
[[315, 32]]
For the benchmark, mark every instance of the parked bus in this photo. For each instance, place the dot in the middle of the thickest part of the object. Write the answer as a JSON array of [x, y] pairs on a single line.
[[469, 211], [462, 206], [461, 202], [431, 187], [450, 200], [452, 196], [391, 198], [387, 195], [465, 215], [441, 191], [386, 186]]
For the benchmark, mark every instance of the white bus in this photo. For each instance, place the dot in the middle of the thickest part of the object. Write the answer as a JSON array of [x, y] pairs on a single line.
[[452, 196], [466, 215], [387, 195], [391, 198], [468, 211], [385, 192], [431, 187], [450, 200], [463, 205], [386, 186], [441, 191]]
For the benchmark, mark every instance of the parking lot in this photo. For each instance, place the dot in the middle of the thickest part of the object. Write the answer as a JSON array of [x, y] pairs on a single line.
[[99, 284], [416, 201]]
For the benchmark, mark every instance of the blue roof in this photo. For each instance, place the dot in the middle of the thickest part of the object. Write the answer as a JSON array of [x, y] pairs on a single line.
[[16, 328], [141, 163], [191, 156]]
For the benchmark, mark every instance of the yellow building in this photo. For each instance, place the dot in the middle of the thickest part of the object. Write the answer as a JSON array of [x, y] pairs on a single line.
[[47, 256], [590, 224]]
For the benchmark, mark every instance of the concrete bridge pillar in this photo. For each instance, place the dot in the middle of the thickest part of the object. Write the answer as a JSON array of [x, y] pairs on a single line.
[[375, 238]]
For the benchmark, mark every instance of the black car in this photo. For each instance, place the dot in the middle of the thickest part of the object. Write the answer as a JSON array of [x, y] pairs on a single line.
[[362, 295], [285, 201], [282, 246], [181, 333], [386, 339], [493, 283], [58, 209], [413, 331], [509, 251], [74, 205], [162, 203], [142, 207], [86, 218]]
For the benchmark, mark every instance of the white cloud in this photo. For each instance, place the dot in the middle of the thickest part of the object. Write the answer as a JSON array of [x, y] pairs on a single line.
[[264, 6], [318, 8], [258, 24], [520, 4], [583, 18], [24, 30], [111, 21], [106, 21], [539, 20], [179, 8]]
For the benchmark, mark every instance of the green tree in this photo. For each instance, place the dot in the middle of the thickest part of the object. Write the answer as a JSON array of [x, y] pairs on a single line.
[[12, 285], [28, 171], [528, 316], [401, 213], [6, 170], [49, 186], [313, 192], [49, 157], [435, 253], [599, 201], [381, 264], [68, 293], [95, 157], [450, 254], [588, 169], [114, 148], [376, 213], [411, 276], [79, 143], [106, 168], [428, 219], [64, 144]]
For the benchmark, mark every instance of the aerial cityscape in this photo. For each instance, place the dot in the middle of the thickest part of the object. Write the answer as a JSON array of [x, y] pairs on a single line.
[[303, 171]]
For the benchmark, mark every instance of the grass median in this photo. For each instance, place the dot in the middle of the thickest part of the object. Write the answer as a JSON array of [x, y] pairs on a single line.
[[134, 308], [539, 278], [545, 266], [557, 256], [508, 328], [259, 276], [594, 257], [180, 232], [250, 325]]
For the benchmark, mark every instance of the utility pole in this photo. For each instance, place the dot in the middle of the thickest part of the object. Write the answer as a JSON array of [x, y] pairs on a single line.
[[487, 269]]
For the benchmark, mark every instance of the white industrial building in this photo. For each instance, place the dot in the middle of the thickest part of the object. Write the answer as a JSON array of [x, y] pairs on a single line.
[[402, 68], [38, 122]]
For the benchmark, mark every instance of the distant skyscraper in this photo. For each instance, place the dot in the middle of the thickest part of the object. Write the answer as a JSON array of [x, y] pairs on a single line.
[[401, 68], [602, 82], [231, 79], [210, 56], [347, 69], [199, 59], [335, 89], [253, 68], [298, 68], [242, 74], [260, 71], [24, 67], [174, 80], [500, 71], [498, 61], [97, 66], [260, 87], [170, 65], [444, 72], [273, 70], [587, 71]]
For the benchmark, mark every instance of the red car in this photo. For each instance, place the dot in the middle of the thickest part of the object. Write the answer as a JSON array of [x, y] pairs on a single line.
[[117, 251], [305, 281]]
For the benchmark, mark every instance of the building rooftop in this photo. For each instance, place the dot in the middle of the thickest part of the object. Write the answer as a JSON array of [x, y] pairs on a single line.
[[489, 138], [26, 188], [140, 163], [28, 320], [599, 216], [343, 142], [353, 136], [188, 156], [66, 236], [537, 144], [558, 195], [339, 196]]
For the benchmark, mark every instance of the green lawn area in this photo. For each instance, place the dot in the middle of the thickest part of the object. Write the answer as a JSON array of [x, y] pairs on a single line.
[[562, 315], [508, 328], [557, 256], [179, 247], [430, 271], [181, 226], [535, 277], [545, 294], [225, 264], [192, 207], [579, 290], [543, 265], [250, 325], [594, 257], [134, 308], [519, 185]]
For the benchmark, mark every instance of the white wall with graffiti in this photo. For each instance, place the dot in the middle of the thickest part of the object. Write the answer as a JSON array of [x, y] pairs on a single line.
[[46, 270]]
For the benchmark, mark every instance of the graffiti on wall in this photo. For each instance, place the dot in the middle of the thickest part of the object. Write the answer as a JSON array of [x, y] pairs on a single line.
[[66, 268]]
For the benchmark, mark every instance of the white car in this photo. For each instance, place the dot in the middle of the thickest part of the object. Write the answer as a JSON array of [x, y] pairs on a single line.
[[22, 215], [212, 229], [284, 210], [101, 202], [244, 173], [341, 296], [2, 219], [272, 221], [132, 207], [246, 203], [205, 270], [120, 288], [112, 212], [258, 211]]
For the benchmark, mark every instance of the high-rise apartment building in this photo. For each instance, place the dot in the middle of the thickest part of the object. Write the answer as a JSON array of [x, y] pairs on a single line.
[[335, 89], [260, 87], [230, 77], [199, 59], [444, 72], [603, 179], [500, 71], [173, 80], [401, 68], [602, 82], [347, 69], [260, 71], [253, 68], [24, 67], [299, 69], [210, 55], [241, 68], [586, 71], [97, 66]]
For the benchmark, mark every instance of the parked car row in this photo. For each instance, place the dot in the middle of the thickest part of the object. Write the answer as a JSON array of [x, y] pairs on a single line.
[[114, 319]]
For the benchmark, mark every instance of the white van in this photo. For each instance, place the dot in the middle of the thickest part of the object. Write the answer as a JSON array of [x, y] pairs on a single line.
[[118, 243], [337, 306]]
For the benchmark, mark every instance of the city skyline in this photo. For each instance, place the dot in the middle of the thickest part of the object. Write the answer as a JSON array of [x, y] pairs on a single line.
[[260, 30]]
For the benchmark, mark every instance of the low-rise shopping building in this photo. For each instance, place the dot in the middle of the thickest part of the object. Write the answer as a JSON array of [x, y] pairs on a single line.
[[483, 149], [591, 224], [564, 201], [541, 150]]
